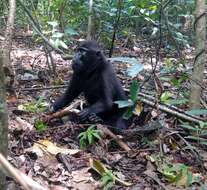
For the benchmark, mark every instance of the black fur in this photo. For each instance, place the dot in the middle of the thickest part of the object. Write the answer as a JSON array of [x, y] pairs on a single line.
[[94, 76]]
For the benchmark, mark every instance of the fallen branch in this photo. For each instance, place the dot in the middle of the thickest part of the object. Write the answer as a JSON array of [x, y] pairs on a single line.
[[26, 182], [72, 109], [108, 132], [41, 88], [68, 110], [147, 99], [168, 109]]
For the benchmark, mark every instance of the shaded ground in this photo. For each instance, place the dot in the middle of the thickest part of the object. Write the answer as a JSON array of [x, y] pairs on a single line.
[[147, 167]]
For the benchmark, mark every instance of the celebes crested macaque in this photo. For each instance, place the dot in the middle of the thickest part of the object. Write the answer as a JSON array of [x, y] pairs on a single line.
[[94, 76]]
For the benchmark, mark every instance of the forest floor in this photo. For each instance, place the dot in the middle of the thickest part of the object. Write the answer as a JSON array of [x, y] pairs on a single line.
[[171, 157]]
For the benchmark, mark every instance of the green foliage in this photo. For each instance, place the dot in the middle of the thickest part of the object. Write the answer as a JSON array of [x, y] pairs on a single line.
[[135, 16], [145, 141], [179, 174], [176, 173], [197, 112], [128, 113], [39, 125], [56, 36], [133, 98], [124, 103], [197, 132], [179, 80], [107, 180], [135, 67], [89, 136], [132, 71], [177, 101], [70, 31], [131, 102], [35, 107], [133, 91], [165, 97]]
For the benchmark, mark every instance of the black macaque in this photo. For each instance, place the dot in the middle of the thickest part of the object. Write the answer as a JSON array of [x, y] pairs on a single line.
[[95, 78]]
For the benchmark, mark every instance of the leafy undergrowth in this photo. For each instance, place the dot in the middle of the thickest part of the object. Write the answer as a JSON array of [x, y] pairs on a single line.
[[68, 155]]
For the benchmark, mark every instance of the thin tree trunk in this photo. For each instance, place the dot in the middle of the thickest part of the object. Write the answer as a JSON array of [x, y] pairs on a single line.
[[3, 120], [198, 69], [61, 16], [5, 61], [115, 27], [89, 37], [7, 43]]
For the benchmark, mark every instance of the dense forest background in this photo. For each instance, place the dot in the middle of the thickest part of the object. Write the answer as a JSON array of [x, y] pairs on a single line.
[[158, 51]]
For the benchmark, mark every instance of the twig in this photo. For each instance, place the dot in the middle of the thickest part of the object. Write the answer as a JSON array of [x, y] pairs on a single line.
[[25, 181], [193, 151], [115, 137], [42, 88], [203, 103], [149, 100], [66, 111], [171, 110], [105, 130]]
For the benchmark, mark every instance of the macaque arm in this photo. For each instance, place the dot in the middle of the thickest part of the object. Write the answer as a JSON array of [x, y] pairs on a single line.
[[73, 90]]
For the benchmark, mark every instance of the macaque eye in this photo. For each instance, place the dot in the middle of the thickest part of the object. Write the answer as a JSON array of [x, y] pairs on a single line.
[[83, 49]]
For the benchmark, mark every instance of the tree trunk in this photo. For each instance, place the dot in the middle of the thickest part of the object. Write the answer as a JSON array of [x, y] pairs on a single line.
[[198, 68], [3, 120], [61, 16], [7, 44], [116, 25], [5, 61], [90, 20]]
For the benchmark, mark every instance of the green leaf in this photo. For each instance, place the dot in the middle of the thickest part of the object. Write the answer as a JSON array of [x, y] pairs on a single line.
[[204, 143], [153, 7], [57, 42], [202, 125], [196, 138], [90, 138], [39, 125], [177, 101], [165, 97], [70, 31], [35, 107], [91, 128], [124, 103], [125, 60], [197, 112], [63, 44], [81, 135], [95, 134], [52, 41], [133, 91], [128, 113], [53, 23], [189, 127], [82, 143], [57, 35], [134, 70], [175, 82]]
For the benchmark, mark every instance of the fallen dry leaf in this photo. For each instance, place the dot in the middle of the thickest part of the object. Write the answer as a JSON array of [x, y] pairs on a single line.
[[45, 146]]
